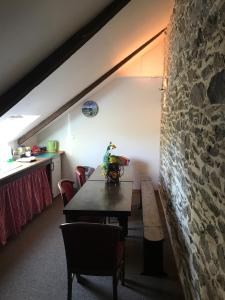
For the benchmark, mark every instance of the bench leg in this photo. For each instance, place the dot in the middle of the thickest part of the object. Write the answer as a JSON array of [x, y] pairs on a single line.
[[153, 258]]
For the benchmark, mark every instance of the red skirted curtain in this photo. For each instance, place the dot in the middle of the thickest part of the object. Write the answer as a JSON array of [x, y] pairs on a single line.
[[21, 199]]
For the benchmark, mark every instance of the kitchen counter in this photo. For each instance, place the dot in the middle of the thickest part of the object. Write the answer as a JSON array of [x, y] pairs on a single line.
[[25, 190], [12, 169], [49, 154], [16, 169]]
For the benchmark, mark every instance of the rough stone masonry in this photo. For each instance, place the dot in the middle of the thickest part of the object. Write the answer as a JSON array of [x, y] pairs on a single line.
[[193, 145]]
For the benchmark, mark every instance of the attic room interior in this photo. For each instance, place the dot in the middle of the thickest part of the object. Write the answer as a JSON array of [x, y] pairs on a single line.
[[86, 82]]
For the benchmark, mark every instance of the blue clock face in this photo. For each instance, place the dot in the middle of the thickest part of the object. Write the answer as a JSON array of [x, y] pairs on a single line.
[[90, 108]]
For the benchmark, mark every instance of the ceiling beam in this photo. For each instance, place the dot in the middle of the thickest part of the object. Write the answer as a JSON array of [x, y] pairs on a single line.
[[85, 91], [17, 92]]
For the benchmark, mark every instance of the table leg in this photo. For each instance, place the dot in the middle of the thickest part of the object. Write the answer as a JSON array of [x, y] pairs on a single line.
[[123, 222]]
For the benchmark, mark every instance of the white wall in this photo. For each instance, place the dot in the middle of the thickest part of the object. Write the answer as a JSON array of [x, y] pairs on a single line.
[[129, 116]]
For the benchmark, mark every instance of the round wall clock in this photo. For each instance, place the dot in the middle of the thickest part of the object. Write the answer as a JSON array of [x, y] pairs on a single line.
[[90, 108]]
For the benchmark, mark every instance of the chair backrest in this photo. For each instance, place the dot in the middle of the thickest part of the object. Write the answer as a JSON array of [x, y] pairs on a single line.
[[92, 249], [66, 189], [88, 171], [80, 175]]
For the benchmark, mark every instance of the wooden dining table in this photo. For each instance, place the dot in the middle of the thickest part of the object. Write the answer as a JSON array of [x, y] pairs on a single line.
[[99, 198]]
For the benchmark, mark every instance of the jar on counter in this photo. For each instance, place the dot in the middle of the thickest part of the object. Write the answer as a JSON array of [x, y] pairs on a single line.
[[28, 151]]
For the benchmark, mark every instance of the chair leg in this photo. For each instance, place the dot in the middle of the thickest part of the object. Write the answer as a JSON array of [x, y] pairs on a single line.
[[115, 286], [70, 281]]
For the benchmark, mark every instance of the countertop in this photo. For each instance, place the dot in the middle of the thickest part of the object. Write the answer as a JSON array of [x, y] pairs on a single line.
[[49, 154], [11, 169], [15, 167]]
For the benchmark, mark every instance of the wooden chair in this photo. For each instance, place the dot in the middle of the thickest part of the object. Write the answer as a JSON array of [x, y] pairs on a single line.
[[80, 175], [88, 171], [66, 189], [93, 249]]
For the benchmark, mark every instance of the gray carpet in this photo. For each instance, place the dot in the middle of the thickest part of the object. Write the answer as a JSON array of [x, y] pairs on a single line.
[[33, 266]]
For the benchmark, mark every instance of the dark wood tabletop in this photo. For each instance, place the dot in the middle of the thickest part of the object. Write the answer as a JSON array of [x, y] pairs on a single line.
[[101, 199], [126, 176]]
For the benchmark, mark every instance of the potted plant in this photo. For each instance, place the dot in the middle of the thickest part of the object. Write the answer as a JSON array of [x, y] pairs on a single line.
[[113, 165]]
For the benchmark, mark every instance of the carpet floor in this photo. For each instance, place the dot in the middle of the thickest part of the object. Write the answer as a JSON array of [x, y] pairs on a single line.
[[33, 266]]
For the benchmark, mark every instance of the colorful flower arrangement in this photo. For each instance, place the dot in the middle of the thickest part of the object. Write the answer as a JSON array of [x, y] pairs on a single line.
[[112, 165], [107, 158]]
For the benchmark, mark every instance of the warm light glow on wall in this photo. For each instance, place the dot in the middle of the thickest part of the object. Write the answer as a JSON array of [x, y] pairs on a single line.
[[164, 89], [165, 71], [147, 63]]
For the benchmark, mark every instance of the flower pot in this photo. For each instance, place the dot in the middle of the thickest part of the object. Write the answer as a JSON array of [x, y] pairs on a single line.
[[113, 173]]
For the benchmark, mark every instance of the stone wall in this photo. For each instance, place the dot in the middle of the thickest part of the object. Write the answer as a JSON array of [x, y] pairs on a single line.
[[193, 145]]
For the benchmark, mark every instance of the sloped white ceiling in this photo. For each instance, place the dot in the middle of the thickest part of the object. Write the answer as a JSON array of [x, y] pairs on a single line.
[[31, 30], [131, 27]]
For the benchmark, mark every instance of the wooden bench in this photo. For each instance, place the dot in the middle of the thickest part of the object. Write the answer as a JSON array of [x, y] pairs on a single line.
[[153, 230]]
